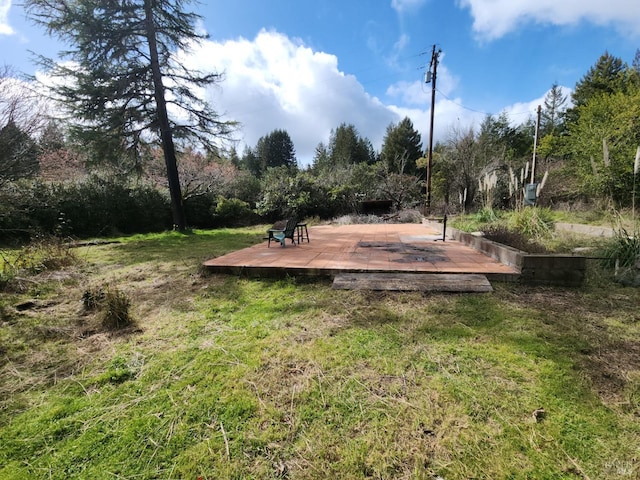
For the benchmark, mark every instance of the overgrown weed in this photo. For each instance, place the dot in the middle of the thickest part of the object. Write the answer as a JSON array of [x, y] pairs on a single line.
[[623, 250], [44, 254], [112, 303], [533, 222]]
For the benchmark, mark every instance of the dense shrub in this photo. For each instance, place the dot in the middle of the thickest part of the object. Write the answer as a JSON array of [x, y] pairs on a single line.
[[95, 206], [102, 206], [232, 212], [532, 222], [197, 209], [622, 250], [486, 215]]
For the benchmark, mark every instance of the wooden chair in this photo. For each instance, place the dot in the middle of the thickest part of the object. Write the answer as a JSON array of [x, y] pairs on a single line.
[[281, 235]]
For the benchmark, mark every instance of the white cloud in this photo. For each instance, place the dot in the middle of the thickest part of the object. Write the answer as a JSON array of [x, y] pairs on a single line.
[[274, 82], [419, 93], [448, 114], [402, 42], [495, 18], [5, 28], [411, 93], [519, 112], [402, 6]]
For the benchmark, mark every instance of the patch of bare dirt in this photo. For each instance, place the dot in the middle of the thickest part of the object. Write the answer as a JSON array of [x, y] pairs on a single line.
[[614, 372]]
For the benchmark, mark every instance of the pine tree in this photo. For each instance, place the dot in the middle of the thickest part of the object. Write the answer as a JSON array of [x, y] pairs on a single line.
[[552, 113], [401, 147], [605, 77], [276, 149], [18, 153], [347, 147], [123, 73], [320, 158], [251, 162]]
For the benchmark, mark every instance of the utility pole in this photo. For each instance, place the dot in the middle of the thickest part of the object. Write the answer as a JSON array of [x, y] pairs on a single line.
[[431, 76], [535, 145], [531, 189]]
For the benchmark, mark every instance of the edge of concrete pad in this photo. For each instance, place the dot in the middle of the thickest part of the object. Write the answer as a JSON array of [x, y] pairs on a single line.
[[590, 230], [535, 269]]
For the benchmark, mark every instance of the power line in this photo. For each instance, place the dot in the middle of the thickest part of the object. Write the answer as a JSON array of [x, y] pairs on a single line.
[[516, 114]]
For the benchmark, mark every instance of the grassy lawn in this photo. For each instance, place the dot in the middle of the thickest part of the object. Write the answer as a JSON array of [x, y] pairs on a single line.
[[232, 378]]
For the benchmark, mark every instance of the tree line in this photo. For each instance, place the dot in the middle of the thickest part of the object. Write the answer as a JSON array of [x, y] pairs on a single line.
[[137, 149], [587, 143]]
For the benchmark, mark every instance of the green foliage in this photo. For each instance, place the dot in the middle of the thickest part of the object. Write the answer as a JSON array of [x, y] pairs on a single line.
[[608, 76], [118, 371], [589, 147], [533, 222], [401, 147], [275, 150], [43, 254], [245, 186], [114, 91], [251, 163], [346, 147], [112, 304], [516, 228], [331, 192], [232, 212], [97, 205], [486, 215], [500, 141], [119, 73], [18, 153], [299, 194], [552, 114], [623, 250], [198, 210], [604, 141], [477, 221]]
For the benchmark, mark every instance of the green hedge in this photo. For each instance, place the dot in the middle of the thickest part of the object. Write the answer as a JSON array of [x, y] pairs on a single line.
[[96, 206]]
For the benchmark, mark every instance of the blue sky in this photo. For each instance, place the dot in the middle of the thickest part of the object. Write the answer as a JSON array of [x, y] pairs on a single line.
[[306, 67]]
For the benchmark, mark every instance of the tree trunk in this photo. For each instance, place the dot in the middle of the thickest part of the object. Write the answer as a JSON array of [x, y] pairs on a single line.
[[168, 147]]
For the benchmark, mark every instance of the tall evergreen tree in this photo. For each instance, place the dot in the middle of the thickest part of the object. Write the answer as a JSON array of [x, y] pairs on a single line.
[[123, 73], [276, 149], [553, 111], [635, 69], [500, 141], [320, 158], [401, 147], [18, 153], [347, 147], [607, 76], [251, 162], [234, 158]]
